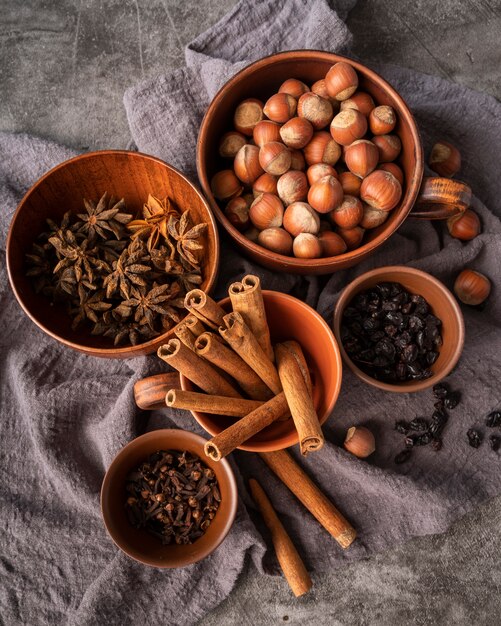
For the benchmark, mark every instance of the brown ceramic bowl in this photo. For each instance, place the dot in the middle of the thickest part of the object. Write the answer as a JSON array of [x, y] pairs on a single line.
[[262, 79], [289, 318], [443, 305], [139, 544], [124, 174]]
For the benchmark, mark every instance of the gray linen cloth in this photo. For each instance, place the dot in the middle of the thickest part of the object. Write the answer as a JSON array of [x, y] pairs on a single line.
[[64, 415]]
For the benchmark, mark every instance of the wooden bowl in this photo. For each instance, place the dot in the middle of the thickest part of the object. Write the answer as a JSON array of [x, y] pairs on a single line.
[[138, 543], [443, 305], [262, 79], [130, 175], [289, 318]]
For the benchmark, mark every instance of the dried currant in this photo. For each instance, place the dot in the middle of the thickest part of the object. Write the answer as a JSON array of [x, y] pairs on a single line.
[[436, 444], [403, 456], [440, 391], [418, 423], [493, 420], [474, 438], [452, 400], [402, 427], [495, 442]]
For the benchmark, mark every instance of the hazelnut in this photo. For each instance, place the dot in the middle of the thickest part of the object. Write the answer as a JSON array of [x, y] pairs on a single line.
[[320, 88], [280, 107], [348, 214], [297, 160], [275, 158], [350, 183], [299, 218], [389, 147], [276, 239], [352, 236], [381, 190], [472, 287], [247, 114], [464, 226], [225, 185], [307, 246], [318, 170], [360, 441], [382, 120], [361, 157], [322, 149], [315, 109], [293, 87], [394, 169], [372, 218], [326, 194], [341, 81], [445, 159], [246, 164], [292, 187], [360, 101], [266, 183], [237, 212], [231, 143], [266, 211], [332, 244], [296, 133], [348, 126], [266, 131]]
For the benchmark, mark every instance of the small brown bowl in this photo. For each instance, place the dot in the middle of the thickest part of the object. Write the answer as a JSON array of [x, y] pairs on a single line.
[[443, 304], [289, 318], [129, 175], [139, 544]]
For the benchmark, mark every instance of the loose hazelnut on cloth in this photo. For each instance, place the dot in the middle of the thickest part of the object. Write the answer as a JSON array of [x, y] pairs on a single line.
[[472, 287]]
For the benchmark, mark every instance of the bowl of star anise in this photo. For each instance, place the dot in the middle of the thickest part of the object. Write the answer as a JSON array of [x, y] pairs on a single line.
[[103, 248]]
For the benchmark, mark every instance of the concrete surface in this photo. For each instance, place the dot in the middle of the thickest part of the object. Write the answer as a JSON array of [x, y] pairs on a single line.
[[64, 65]]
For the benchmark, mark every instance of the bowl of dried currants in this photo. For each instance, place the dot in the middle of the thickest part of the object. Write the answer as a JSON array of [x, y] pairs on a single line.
[[311, 160], [103, 248], [164, 503], [399, 329]]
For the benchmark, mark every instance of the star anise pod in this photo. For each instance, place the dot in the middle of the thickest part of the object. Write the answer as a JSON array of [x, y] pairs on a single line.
[[186, 237], [134, 332], [154, 223], [40, 262], [83, 259], [88, 306], [65, 281], [103, 218], [146, 305], [130, 269]]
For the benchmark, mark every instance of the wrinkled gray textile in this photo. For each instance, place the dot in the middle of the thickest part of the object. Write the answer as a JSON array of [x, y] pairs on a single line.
[[64, 415]]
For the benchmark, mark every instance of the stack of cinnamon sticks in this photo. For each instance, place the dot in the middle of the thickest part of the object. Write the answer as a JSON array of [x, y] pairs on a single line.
[[231, 358]]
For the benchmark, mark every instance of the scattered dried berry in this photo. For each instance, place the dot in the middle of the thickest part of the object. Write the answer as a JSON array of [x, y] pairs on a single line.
[[452, 400], [402, 427], [403, 456], [440, 391], [391, 334], [495, 442], [493, 420], [418, 423], [474, 438], [436, 444]]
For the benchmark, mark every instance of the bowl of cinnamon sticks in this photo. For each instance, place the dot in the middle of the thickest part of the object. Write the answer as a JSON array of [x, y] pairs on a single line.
[[259, 371]]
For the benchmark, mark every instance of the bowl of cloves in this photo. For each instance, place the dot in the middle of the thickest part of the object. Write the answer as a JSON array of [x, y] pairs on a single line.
[[399, 329], [103, 248], [164, 503]]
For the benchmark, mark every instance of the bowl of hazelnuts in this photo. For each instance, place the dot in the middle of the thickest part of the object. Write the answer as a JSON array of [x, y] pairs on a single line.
[[311, 160]]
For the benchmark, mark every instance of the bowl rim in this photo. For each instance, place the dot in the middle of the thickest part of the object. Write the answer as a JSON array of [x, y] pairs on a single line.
[[289, 263], [346, 297], [270, 447], [111, 351], [225, 470]]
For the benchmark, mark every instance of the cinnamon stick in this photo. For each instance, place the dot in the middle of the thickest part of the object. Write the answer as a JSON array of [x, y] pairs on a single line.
[[291, 563], [235, 435], [305, 490], [247, 299], [211, 348], [149, 393], [204, 307], [239, 336], [299, 400], [298, 353], [196, 369], [194, 325], [215, 405], [183, 333]]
